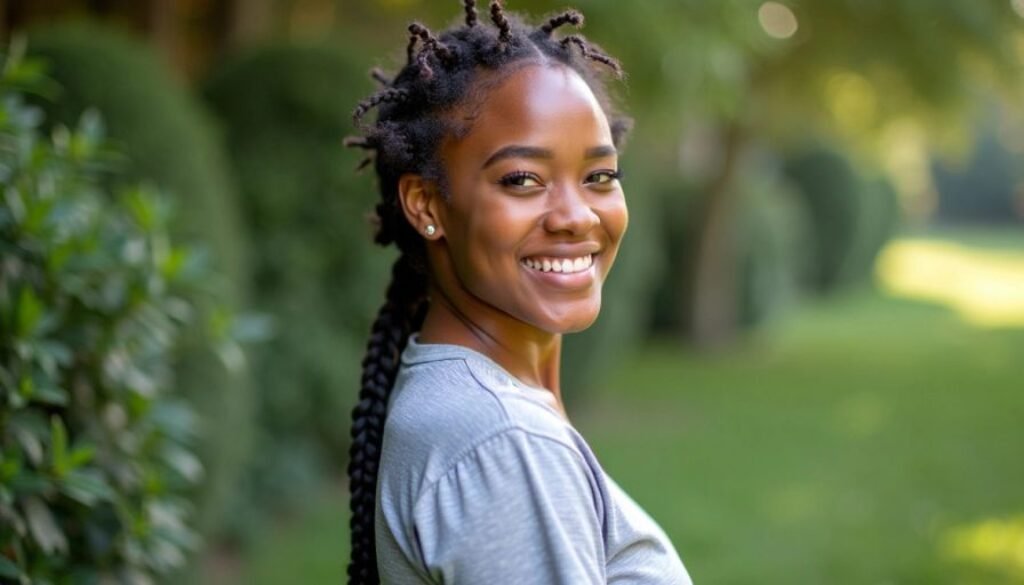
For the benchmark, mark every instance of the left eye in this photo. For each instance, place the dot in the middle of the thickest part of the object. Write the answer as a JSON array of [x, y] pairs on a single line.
[[604, 177], [520, 179]]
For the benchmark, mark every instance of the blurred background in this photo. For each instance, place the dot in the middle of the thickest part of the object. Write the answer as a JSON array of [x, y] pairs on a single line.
[[809, 366]]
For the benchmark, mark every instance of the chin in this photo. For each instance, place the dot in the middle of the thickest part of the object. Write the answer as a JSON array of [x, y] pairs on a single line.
[[580, 328], [572, 323]]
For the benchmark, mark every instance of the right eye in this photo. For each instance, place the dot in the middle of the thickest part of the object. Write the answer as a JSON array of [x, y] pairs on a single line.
[[520, 179]]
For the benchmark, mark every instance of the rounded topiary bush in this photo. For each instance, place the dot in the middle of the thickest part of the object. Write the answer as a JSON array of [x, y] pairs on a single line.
[[774, 247], [851, 216], [771, 250], [984, 187], [165, 137], [95, 449], [285, 109]]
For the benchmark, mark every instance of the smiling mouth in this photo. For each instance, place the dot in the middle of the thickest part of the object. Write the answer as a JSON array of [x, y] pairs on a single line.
[[561, 265]]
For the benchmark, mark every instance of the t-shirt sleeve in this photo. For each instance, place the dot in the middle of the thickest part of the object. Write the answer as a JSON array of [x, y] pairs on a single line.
[[518, 508]]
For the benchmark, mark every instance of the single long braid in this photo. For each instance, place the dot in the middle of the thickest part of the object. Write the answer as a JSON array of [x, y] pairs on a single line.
[[401, 314], [412, 119]]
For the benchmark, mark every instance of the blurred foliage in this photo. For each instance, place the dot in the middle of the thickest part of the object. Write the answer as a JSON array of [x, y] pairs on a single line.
[[774, 246], [95, 452], [986, 185], [285, 109], [717, 60], [168, 139], [850, 217]]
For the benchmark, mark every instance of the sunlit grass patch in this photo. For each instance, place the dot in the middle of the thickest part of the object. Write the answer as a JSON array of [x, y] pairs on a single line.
[[996, 544], [984, 286]]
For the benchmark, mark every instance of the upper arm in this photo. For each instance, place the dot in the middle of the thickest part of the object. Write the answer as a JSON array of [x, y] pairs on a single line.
[[517, 508]]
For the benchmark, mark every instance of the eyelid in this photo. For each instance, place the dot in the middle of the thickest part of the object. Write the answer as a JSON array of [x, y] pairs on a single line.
[[507, 179], [612, 174]]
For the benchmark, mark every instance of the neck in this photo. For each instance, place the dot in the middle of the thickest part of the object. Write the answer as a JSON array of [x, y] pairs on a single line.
[[530, 354]]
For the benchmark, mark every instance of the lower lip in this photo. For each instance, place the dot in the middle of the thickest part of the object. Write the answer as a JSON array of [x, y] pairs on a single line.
[[566, 280]]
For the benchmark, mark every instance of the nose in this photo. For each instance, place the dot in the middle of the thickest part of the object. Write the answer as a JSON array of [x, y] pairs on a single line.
[[569, 211]]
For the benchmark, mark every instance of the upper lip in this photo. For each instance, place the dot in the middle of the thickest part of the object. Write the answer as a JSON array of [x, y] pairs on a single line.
[[567, 251]]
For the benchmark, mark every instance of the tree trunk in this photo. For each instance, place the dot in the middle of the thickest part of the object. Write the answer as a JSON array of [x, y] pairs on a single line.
[[713, 303]]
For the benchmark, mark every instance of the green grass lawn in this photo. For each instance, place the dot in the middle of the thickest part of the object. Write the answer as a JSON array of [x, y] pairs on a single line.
[[867, 440]]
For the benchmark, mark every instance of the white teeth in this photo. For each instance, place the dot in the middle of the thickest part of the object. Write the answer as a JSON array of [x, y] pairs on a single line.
[[564, 265]]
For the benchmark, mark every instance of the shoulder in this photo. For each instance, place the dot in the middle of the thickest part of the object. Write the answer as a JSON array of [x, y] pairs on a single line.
[[514, 455], [443, 408]]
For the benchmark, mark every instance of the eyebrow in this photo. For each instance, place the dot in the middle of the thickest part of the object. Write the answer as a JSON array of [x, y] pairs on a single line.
[[600, 151], [519, 151]]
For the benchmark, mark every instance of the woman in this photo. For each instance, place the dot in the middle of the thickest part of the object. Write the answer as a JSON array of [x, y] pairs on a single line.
[[496, 153]]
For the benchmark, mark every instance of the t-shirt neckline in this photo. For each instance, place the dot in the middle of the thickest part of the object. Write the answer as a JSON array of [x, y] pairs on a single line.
[[417, 352]]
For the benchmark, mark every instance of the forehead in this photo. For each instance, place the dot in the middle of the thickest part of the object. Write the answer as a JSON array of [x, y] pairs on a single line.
[[532, 104]]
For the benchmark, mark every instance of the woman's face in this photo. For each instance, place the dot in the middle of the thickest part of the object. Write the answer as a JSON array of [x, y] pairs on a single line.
[[535, 211]]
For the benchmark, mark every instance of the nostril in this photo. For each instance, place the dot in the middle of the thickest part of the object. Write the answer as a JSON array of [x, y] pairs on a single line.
[[573, 215]]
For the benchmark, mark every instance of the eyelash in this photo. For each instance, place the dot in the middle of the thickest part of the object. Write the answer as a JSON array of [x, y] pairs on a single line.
[[510, 179], [615, 175]]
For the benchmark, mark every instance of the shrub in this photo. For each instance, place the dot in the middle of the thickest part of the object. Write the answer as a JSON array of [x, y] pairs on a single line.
[[851, 217], [773, 248], [985, 187], [94, 451], [168, 139]]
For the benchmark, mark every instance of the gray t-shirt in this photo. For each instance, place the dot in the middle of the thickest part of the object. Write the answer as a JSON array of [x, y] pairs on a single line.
[[483, 481]]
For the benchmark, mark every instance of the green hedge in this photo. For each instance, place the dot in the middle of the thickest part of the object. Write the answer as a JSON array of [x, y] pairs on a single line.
[[95, 455], [285, 109], [168, 139], [774, 247], [851, 216], [984, 187], [814, 225]]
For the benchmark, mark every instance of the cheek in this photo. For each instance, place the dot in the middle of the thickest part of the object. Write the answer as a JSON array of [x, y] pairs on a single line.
[[496, 229], [490, 241], [615, 217]]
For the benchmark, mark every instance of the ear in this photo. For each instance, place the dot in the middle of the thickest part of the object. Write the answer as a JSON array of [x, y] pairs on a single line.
[[421, 203]]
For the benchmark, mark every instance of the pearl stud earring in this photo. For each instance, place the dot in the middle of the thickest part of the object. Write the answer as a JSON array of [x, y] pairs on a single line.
[[430, 229]]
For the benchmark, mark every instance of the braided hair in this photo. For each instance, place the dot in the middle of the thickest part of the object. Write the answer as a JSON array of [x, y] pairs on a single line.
[[412, 107]]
